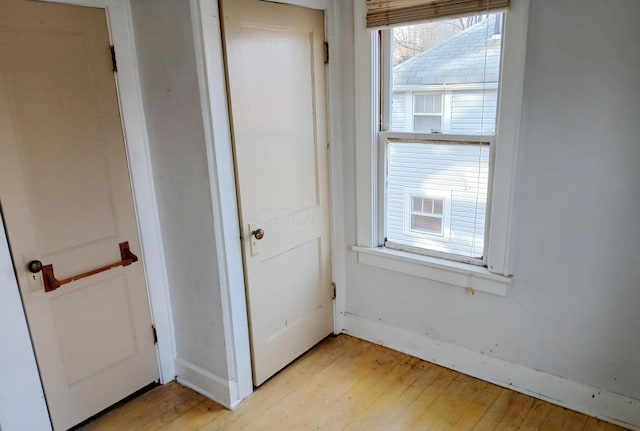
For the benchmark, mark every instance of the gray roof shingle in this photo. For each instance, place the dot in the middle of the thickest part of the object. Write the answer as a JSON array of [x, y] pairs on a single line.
[[458, 60]]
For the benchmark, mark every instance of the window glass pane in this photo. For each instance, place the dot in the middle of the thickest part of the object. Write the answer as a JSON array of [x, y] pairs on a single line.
[[457, 61], [427, 124], [426, 224], [438, 207], [453, 180], [420, 103], [427, 104], [416, 204], [437, 104], [427, 206]]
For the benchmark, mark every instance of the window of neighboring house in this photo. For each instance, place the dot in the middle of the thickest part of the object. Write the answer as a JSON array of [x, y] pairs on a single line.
[[426, 215], [427, 112]]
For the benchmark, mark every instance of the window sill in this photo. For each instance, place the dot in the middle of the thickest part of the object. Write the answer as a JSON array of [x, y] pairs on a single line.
[[471, 277]]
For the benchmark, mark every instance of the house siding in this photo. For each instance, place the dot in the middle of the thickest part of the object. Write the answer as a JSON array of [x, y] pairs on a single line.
[[453, 169], [473, 111], [399, 112]]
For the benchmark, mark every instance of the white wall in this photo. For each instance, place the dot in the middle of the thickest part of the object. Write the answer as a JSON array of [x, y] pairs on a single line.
[[165, 44], [572, 307]]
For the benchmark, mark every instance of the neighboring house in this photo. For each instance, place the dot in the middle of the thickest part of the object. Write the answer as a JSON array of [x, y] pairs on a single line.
[[436, 196], [451, 87]]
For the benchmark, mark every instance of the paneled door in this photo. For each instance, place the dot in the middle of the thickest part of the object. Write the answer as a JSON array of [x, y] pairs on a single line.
[[67, 204], [276, 78]]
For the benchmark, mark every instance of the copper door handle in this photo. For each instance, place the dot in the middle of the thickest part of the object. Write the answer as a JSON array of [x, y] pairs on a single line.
[[52, 283]]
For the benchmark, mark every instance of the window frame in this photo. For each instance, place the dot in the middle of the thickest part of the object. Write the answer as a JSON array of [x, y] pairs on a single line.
[[369, 105], [384, 137], [385, 55]]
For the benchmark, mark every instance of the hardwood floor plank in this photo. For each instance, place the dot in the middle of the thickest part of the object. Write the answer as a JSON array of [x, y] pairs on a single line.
[[555, 419], [459, 407], [352, 385], [320, 390], [507, 413], [612, 427], [409, 417], [355, 402], [326, 354], [144, 409], [382, 411], [575, 421], [171, 414], [543, 416], [195, 418], [594, 424], [477, 408]]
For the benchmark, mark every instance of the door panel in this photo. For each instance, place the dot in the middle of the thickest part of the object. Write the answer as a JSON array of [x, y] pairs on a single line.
[[103, 341], [66, 198], [276, 77]]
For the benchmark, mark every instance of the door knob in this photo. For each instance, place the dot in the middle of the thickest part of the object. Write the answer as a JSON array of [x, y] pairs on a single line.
[[258, 234], [35, 266]]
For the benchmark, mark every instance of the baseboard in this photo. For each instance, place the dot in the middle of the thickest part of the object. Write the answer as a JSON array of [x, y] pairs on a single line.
[[222, 391], [592, 401]]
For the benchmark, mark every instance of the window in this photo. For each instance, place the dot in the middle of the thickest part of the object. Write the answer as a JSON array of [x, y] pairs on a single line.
[[425, 215], [427, 112], [451, 176], [461, 58], [438, 134]]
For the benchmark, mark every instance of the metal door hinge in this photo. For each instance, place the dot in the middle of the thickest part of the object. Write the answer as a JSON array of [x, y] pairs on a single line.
[[113, 58], [334, 290], [155, 334], [326, 52]]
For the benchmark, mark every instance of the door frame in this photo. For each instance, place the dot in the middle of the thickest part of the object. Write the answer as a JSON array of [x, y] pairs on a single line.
[[213, 91], [30, 405]]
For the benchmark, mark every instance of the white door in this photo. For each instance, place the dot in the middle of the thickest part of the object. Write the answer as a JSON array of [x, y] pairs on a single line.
[[66, 198], [276, 76]]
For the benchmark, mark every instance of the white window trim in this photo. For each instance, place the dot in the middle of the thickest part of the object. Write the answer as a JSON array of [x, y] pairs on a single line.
[[471, 277], [445, 87], [502, 180]]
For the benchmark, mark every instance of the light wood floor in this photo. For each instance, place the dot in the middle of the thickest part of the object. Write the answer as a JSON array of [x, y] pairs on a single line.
[[349, 384]]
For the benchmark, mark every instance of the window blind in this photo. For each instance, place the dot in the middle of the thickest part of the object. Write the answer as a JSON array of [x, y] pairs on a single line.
[[385, 13]]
